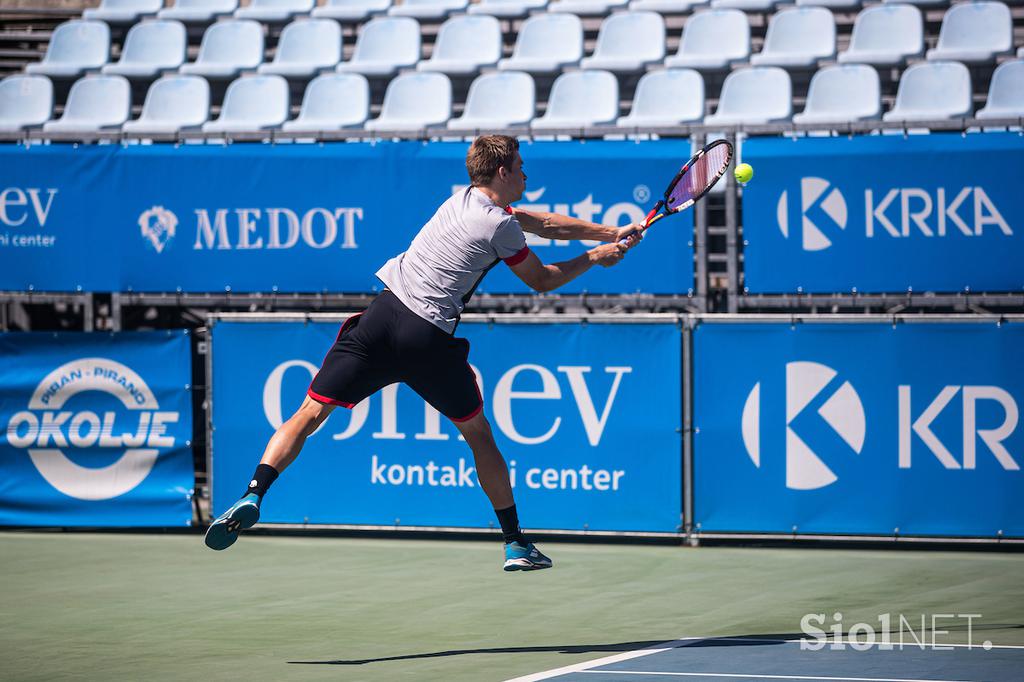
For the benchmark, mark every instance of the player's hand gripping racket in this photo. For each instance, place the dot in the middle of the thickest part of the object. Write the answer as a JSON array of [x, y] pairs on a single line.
[[693, 181]]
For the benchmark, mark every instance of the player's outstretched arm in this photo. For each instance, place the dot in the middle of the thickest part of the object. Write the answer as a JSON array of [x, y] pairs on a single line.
[[541, 277], [558, 226]]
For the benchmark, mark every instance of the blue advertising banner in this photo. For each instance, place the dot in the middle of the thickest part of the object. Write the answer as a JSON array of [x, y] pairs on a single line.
[[859, 428], [96, 429], [302, 217], [939, 212], [588, 425]]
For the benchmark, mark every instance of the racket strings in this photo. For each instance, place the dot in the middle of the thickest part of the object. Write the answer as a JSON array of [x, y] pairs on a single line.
[[700, 176]]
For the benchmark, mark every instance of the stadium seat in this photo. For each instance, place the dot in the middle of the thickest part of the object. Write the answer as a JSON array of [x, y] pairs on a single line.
[[666, 6], [252, 103], [306, 47], [798, 37], [587, 8], [885, 35], [465, 44], [94, 103], [274, 11], [25, 102], [414, 101], [546, 44], [151, 47], [745, 5], [713, 40], [754, 95], [384, 45], [918, 3], [1005, 92], [434, 10], [351, 11], [498, 100], [507, 9], [580, 99], [75, 47], [173, 103], [333, 101], [842, 93], [932, 90], [198, 11], [666, 98], [122, 11], [846, 5], [628, 42], [1020, 52], [974, 33], [228, 48]]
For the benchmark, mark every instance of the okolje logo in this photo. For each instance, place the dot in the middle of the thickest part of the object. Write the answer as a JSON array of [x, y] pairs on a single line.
[[822, 211], [158, 225], [55, 434], [809, 384]]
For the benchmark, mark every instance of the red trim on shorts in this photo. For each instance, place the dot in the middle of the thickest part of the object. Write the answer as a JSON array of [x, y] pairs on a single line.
[[470, 415], [329, 401], [518, 257]]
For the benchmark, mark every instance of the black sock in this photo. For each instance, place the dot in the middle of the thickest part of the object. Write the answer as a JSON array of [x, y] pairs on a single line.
[[261, 480], [509, 521]]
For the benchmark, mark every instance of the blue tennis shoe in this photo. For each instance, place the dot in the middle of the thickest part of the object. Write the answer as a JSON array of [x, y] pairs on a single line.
[[243, 514], [528, 558]]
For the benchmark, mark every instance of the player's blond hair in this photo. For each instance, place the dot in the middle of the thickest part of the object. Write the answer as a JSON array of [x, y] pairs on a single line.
[[487, 154]]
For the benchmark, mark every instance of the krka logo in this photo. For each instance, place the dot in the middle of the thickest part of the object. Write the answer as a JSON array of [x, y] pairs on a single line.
[[55, 434], [822, 210], [158, 226]]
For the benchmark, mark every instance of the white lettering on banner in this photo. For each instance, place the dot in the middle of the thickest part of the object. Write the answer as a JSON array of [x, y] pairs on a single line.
[[318, 228], [916, 207], [15, 197], [993, 438], [464, 476], [504, 395]]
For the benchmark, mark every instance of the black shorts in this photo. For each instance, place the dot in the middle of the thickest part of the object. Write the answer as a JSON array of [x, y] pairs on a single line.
[[387, 344]]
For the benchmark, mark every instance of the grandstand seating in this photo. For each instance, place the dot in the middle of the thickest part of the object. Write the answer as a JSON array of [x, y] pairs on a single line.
[[25, 102], [227, 49], [665, 98], [587, 8], [252, 103], [465, 44], [931, 91], [666, 6], [173, 103], [919, 3], [507, 9], [123, 11], [885, 35], [842, 5], [150, 48], [580, 99], [974, 32], [628, 42], [384, 45], [198, 11], [841, 93], [76, 46], [713, 40], [1006, 92], [798, 37], [333, 101], [428, 9], [94, 103], [351, 10], [745, 5], [506, 99], [414, 101], [757, 94], [306, 47], [547, 43], [274, 11]]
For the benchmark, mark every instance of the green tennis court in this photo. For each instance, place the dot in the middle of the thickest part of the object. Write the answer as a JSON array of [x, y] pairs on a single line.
[[151, 606]]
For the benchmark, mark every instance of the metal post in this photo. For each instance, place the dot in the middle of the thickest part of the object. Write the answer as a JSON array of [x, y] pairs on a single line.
[[115, 312], [207, 336], [88, 322], [731, 231], [701, 245], [687, 330]]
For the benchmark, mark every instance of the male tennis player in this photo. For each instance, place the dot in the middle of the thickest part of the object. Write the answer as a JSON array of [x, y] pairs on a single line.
[[407, 332]]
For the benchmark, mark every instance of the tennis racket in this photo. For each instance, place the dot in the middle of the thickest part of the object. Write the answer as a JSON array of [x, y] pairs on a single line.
[[693, 181]]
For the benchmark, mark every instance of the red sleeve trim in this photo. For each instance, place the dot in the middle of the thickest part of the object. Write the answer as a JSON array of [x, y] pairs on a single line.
[[518, 257], [508, 209]]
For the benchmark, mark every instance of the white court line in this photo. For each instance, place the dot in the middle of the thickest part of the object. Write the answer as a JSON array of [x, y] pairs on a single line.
[[607, 660], [766, 677]]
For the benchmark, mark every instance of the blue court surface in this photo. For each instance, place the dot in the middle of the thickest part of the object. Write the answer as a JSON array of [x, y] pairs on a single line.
[[719, 659]]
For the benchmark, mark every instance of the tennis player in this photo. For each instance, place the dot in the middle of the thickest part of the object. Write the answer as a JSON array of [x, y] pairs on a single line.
[[407, 334]]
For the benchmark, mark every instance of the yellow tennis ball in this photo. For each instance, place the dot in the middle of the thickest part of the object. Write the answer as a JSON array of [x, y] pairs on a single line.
[[744, 172]]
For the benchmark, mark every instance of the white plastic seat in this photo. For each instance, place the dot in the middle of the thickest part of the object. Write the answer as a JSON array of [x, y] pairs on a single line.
[[745, 5], [754, 95], [546, 44], [506, 99], [351, 11], [306, 47], [414, 101], [507, 9], [465, 44], [885, 35], [713, 40], [25, 102], [587, 8], [974, 33], [1020, 52], [666, 6], [94, 103], [932, 90], [428, 9], [628, 42], [75, 47], [252, 103], [1005, 92], [666, 98], [123, 11], [842, 93], [198, 11], [845, 5], [228, 48], [151, 47], [275, 11], [333, 101], [173, 103], [384, 45], [798, 37], [580, 99]]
